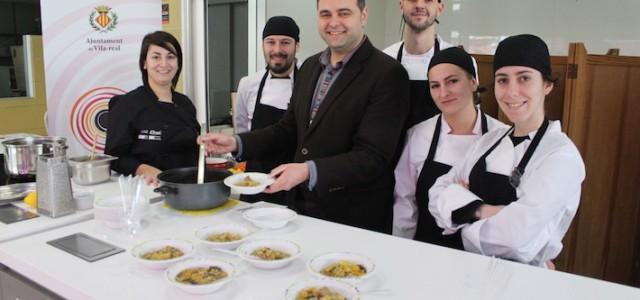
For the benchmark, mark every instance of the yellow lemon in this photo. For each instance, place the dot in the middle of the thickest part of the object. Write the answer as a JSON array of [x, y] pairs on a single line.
[[31, 200]]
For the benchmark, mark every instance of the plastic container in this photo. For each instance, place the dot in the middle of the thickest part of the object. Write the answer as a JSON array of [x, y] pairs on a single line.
[[83, 199], [110, 211]]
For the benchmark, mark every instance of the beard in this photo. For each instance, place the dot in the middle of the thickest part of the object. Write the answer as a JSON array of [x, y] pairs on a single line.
[[279, 68], [418, 27]]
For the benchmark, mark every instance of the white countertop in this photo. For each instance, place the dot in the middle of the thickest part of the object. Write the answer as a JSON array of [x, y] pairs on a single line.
[[43, 223], [409, 269]]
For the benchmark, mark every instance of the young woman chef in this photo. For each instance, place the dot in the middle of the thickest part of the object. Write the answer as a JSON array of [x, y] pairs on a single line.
[[437, 143], [154, 128], [518, 189]]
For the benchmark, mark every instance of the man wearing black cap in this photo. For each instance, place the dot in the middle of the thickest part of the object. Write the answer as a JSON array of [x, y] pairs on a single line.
[[263, 97], [347, 112], [419, 45]]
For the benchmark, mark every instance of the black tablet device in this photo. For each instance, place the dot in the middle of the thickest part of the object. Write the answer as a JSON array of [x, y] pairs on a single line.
[[85, 247]]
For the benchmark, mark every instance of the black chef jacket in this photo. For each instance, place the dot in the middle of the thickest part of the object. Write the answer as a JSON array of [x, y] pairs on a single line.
[[143, 130]]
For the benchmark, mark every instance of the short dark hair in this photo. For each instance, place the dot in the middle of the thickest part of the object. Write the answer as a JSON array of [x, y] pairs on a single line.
[[361, 4], [553, 78], [165, 40]]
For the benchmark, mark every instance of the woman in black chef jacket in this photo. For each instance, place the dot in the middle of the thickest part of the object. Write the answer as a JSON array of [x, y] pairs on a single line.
[[518, 189], [153, 128], [434, 145]]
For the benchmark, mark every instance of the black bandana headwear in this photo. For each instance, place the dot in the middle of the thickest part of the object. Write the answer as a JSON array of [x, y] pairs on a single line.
[[281, 25], [523, 50], [456, 56]]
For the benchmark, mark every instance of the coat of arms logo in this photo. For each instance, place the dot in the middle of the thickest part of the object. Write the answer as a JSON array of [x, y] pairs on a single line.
[[103, 19]]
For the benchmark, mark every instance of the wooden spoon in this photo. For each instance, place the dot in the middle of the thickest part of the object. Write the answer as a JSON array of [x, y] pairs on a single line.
[[201, 154]]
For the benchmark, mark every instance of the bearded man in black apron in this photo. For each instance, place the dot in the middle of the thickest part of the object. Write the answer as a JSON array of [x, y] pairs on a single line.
[[415, 51], [263, 97]]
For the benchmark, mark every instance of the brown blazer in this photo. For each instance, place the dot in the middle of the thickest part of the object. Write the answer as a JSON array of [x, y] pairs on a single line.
[[352, 139]]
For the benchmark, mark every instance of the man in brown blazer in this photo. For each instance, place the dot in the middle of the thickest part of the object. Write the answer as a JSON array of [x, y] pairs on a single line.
[[344, 121]]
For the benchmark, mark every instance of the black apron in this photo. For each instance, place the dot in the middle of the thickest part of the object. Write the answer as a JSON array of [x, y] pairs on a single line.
[[3, 176], [498, 189], [265, 116], [421, 105], [427, 228]]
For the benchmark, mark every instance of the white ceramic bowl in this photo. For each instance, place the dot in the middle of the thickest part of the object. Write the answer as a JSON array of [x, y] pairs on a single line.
[[204, 232], [110, 212], [322, 261], [245, 250], [345, 289], [137, 251], [173, 271], [269, 217], [263, 179]]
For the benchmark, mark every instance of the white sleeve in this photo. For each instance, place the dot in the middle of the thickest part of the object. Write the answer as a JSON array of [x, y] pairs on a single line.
[[241, 112], [392, 50], [447, 194], [405, 209], [524, 227]]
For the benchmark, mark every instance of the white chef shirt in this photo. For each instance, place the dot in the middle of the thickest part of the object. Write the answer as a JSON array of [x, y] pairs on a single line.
[[529, 230], [276, 93], [416, 65], [451, 149]]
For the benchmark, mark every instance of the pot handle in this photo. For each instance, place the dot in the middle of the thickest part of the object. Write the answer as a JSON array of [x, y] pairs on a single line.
[[166, 190]]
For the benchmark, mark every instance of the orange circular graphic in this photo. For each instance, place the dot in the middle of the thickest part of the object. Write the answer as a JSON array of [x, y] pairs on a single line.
[[89, 116]]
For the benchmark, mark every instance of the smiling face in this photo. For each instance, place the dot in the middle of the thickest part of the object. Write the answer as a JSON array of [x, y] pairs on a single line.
[[161, 65], [520, 92], [451, 88], [420, 14], [279, 52], [341, 24]]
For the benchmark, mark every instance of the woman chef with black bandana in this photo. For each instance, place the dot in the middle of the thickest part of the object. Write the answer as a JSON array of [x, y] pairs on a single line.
[[437, 143], [518, 189], [153, 128]]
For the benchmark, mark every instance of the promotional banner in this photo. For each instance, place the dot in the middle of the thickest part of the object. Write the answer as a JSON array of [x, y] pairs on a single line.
[[91, 52]]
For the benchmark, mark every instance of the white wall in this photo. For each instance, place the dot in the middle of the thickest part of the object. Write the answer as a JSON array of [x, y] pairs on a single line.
[[393, 22], [479, 25], [601, 25]]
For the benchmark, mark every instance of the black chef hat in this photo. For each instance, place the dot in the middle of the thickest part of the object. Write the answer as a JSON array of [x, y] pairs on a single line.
[[281, 25], [523, 50], [456, 56]]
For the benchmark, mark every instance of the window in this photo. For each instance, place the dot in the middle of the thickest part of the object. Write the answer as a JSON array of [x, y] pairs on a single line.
[[17, 19], [227, 54]]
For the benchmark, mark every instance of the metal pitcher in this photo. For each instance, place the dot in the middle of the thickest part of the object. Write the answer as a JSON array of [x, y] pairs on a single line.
[[53, 186]]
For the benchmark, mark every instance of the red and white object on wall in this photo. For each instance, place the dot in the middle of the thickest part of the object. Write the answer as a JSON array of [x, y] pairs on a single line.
[[91, 51]]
